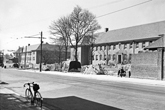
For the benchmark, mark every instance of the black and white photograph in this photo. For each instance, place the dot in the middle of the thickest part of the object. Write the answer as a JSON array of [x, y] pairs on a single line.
[[82, 54]]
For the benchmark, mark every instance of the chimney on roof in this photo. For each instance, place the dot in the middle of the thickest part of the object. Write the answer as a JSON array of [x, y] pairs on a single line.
[[161, 35], [106, 29], [28, 44]]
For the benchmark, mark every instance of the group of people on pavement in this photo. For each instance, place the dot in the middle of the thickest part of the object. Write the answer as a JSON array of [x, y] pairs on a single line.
[[123, 70]]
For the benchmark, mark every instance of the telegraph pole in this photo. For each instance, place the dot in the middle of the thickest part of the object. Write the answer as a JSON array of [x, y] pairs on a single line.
[[41, 54], [41, 37]]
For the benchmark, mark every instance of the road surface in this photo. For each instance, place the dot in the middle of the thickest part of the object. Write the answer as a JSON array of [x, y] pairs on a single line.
[[75, 93]]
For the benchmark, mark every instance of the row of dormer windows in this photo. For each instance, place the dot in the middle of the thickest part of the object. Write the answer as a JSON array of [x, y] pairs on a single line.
[[124, 46], [110, 57]]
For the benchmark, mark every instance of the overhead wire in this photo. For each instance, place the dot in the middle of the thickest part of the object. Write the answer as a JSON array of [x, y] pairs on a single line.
[[106, 13], [108, 3], [40, 20], [123, 9]]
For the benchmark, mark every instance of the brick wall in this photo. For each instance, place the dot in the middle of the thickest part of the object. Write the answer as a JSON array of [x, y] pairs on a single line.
[[145, 65]]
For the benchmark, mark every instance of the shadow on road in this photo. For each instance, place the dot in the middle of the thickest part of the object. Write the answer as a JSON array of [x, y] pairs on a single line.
[[75, 103], [10, 101]]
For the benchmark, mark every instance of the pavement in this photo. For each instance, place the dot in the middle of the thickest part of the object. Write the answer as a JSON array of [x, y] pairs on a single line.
[[149, 82], [10, 99]]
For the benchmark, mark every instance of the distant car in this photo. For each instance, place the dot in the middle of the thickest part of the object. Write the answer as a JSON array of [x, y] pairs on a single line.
[[15, 65]]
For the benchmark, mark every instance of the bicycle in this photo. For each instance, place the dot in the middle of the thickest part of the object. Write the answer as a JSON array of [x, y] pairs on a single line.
[[35, 98]]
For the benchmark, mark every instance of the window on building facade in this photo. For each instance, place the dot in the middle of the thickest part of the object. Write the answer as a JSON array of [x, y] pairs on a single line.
[[110, 47], [119, 46], [104, 47], [33, 58], [124, 58], [130, 56], [114, 57], [131, 45], [105, 57], [100, 57], [109, 56], [125, 46], [143, 44], [137, 45], [100, 47], [96, 48], [96, 57], [114, 47]]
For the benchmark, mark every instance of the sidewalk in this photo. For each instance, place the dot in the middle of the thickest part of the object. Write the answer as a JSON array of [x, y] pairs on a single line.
[[10, 100], [150, 82]]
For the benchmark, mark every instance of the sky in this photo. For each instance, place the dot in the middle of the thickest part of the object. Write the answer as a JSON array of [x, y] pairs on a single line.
[[20, 18]]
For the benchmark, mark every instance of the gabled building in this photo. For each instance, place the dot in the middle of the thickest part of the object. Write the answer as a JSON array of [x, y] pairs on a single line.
[[31, 55], [117, 46]]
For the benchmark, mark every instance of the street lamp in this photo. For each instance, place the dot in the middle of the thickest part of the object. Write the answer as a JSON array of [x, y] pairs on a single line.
[[41, 37]]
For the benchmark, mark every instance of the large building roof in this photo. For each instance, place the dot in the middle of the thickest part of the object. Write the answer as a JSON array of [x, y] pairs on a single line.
[[144, 31]]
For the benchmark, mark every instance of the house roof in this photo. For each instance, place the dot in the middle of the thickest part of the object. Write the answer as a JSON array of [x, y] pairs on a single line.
[[47, 47], [132, 33], [157, 44], [31, 48]]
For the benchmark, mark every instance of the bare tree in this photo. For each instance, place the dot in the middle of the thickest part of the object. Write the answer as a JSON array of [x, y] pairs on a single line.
[[60, 29], [82, 24], [59, 47]]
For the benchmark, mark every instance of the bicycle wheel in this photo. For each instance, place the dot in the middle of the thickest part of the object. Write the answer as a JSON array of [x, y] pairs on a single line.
[[28, 95], [38, 99]]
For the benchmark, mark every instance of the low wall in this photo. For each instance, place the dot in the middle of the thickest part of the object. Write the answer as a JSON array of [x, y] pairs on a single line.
[[145, 65]]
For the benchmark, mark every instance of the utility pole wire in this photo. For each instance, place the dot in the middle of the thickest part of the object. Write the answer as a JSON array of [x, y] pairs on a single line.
[[35, 37], [41, 20], [123, 9], [109, 3]]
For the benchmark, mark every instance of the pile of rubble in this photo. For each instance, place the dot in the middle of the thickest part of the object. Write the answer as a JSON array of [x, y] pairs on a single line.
[[98, 70]]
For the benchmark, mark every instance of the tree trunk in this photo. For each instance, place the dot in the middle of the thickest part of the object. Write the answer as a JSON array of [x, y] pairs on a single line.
[[91, 53], [60, 56], [66, 53], [76, 48]]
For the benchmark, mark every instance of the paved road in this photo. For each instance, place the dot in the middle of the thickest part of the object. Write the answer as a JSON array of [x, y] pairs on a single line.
[[69, 93]]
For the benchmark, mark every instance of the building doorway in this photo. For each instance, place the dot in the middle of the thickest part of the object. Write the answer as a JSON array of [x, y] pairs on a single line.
[[119, 59]]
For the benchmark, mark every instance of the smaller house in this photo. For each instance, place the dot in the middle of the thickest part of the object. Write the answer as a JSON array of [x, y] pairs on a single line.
[[31, 55]]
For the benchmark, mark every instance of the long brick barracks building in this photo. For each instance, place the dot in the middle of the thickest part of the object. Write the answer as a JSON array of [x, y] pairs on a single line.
[[141, 46]]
